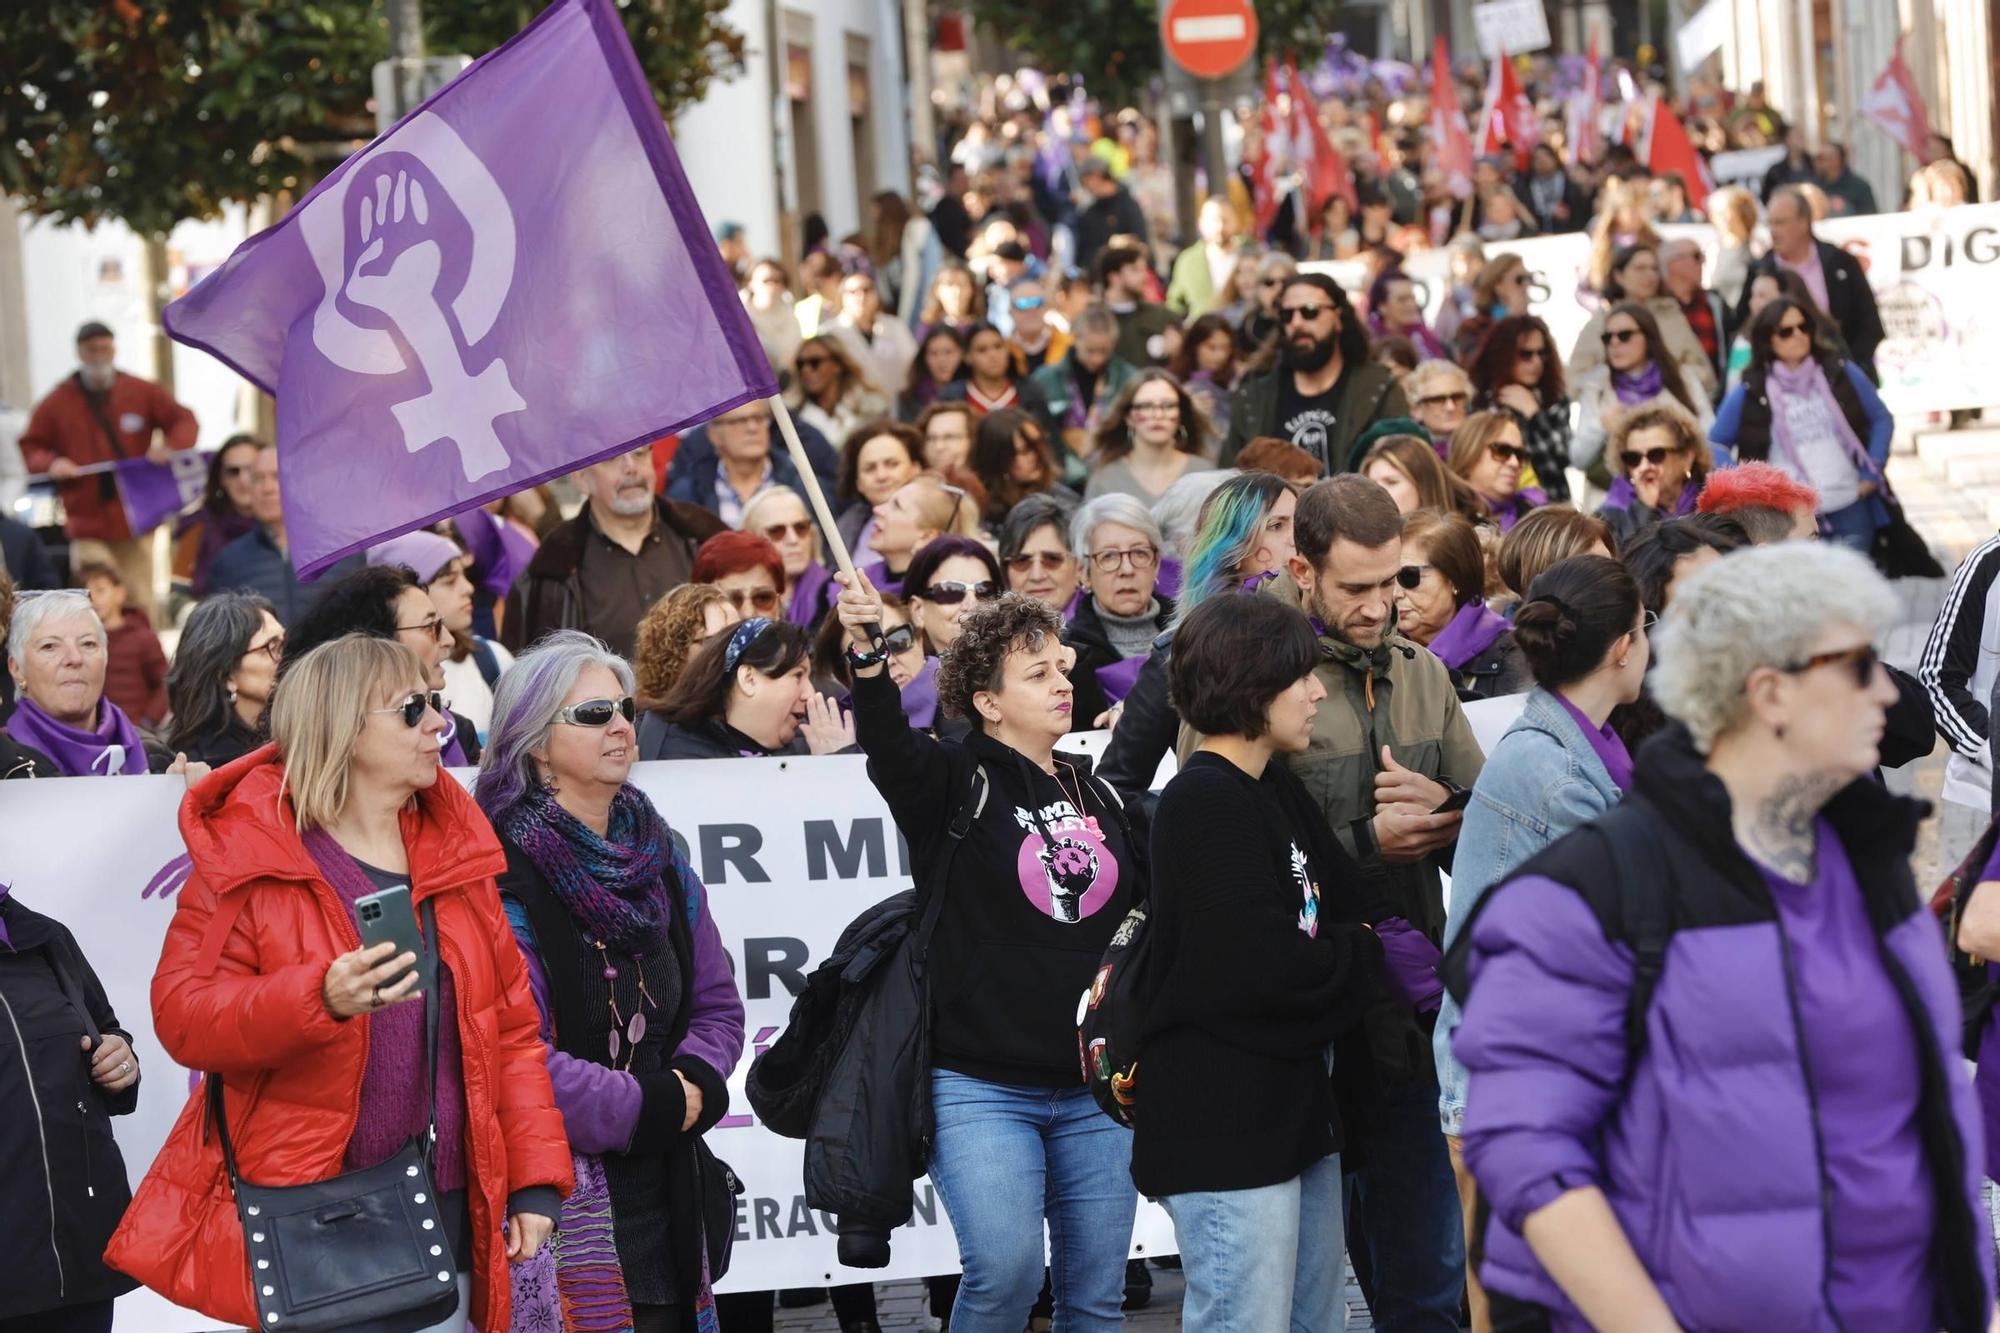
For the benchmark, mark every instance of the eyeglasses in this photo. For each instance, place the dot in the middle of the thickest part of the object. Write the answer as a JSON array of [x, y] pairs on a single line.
[[813, 362], [1444, 400], [597, 712], [775, 532], [1270, 282], [239, 469], [1141, 558], [1028, 302], [1656, 456], [1412, 576], [1308, 313], [1787, 330], [1620, 336], [1050, 561], [761, 600], [1531, 353], [1506, 453], [952, 591], [433, 627], [1518, 280], [1860, 661], [1168, 409], [414, 707], [273, 648], [1647, 620]]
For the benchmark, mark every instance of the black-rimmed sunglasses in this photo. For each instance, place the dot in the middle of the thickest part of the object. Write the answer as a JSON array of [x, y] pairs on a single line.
[[597, 712], [1657, 455], [1862, 662], [414, 707], [952, 591]]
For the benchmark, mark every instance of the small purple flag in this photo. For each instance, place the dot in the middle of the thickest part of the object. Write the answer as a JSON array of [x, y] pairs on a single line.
[[153, 493], [515, 281]]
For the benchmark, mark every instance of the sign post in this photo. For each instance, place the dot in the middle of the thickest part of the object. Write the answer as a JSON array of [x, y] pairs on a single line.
[[1210, 40]]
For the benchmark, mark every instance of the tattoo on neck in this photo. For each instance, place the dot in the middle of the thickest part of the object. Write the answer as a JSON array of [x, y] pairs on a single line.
[[1779, 831]]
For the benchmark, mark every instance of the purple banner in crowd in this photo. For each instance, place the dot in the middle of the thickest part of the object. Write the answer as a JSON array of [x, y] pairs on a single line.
[[156, 493], [511, 283]]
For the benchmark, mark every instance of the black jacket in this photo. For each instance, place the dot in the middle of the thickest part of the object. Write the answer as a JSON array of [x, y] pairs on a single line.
[[549, 593], [1373, 393], [22, 761], [1753, 431], [64, 1188], [1850, 302], [24, 557], [1571, 212], [1085, 633], [1499, 671], [711, 738], [1117, 214]]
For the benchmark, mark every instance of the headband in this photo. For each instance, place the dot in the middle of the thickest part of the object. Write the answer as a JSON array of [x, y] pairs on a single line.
[[740, 640]]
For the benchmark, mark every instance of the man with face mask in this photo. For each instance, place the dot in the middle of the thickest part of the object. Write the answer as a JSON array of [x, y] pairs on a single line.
[[602, 570], [1390, 747], [100, 415], [1325, 390]]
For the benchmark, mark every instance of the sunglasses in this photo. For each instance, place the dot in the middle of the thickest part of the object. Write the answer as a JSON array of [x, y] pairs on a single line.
[[1788, 330], [1531, 353], [1050, 561], [1411, 577], [1508, 453], [597, 712], [762, 600], [1656, 456], [775, 532], [1270, 282], [1141, 558], [1308, 313], [1620, 336], [1028, 302], [814, 362], [1444, 400], [1861, 661], [414, 707], [900, 639], [433, 627], [953, 591]]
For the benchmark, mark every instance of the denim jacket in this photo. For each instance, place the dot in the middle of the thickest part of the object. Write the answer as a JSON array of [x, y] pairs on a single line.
[[1541, 781]]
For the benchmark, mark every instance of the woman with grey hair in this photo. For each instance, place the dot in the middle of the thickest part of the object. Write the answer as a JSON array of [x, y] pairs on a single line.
[[1712, 1037], [1118, 547], [638, 1008], [57, 655], [225, 669]]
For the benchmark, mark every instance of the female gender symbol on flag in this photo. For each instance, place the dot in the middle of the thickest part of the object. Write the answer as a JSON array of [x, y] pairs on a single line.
[[513, 282]]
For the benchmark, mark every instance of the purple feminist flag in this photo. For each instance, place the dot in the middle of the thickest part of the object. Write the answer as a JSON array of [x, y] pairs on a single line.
[[153, 493], [512, 283]]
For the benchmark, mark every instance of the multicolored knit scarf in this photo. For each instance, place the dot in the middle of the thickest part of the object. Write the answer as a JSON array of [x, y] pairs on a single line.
[[612, 885]]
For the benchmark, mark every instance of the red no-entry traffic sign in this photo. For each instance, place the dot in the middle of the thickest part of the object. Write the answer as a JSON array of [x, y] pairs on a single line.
[[1210, 39]]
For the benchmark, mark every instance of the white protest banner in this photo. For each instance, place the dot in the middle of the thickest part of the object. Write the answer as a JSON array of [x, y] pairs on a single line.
[[1515, 26], [791, 851], [1703, 35]]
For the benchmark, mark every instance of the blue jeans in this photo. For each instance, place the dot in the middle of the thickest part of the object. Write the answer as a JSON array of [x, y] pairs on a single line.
[[1264, 1260], [1002, 1159], [1853, 526], [1407, 1199]]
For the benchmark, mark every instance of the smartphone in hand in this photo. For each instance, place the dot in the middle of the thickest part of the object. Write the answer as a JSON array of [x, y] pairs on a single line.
[[388, 916]]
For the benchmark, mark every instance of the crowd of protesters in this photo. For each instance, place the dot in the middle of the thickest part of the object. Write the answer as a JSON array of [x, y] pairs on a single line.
[[1696, 1065]]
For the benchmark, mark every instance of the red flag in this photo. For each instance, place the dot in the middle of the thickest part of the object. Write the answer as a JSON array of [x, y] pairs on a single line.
[[1895, 104], [1586, 138], [1265, 167], [1451, 139], [1668, 148], [1324, 165], [1492, 134], [1509, 120]]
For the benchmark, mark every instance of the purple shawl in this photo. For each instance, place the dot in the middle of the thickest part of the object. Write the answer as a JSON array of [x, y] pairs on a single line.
[[1639, 389], [1809, 381], [1118, 679], [920, 696], [1468, 634], [1509, 512], [1168, 584], [1623, 495], [113, 749], [1604, 743], [1429, 346], [811, 594]]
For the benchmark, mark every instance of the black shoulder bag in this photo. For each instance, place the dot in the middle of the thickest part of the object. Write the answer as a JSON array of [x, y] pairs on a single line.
[[360, 1248]]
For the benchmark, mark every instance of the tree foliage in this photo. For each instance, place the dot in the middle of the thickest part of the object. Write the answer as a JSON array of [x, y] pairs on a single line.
[[157, 111], [1115, 44]]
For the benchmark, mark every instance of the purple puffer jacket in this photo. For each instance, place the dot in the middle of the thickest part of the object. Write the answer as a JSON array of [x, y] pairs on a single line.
[[600, 1105], [1707, 1149]]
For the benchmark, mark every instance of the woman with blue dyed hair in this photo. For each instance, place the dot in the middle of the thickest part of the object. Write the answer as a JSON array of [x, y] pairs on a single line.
[[638, 1007], [1243, 538]]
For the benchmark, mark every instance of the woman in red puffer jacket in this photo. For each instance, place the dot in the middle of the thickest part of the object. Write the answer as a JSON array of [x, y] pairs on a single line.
[[262, 982]]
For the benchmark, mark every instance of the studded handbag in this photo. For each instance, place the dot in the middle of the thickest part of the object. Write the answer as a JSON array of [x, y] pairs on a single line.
[[366, 1247]]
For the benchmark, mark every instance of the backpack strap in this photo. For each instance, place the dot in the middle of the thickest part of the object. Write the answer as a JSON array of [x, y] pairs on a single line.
[[486, 660], [1647, 919], [962, 819]]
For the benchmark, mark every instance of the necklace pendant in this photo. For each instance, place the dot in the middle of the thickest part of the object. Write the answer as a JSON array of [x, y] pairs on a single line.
[[1096, 831]]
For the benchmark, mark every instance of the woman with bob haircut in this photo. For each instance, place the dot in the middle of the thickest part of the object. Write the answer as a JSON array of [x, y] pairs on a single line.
[[1034, 550], [224, 670], [1271, 961], [1659, 462], [631, 983], [1440, 603], [1543, 539], [1582, 632], [1487, 455], [780, 517], [950, 578], [1045, 871], [748, 693], [1722, 1008], [260, 985]]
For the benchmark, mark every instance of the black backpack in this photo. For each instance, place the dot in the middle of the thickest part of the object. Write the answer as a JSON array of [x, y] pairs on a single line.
[[1110, 1011]]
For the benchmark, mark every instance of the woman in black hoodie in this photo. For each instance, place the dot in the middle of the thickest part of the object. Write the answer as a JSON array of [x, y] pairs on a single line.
[[1045, 873]]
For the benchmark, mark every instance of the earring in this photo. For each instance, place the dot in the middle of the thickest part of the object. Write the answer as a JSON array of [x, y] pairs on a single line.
[[232, 694], [1623, 660], [1780, 730]]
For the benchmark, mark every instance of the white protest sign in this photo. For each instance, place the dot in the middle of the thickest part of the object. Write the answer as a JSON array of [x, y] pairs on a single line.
[[791, 850], [1703, 35], [1515, 26]]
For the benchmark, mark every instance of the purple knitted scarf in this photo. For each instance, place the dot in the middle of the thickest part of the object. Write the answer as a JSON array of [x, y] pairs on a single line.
[[114, 747], [612, 884], [1643, 387]]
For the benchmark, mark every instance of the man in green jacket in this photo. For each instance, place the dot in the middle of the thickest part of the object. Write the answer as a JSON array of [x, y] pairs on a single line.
[[1324, 390], [1390, 746], [1204, 273]]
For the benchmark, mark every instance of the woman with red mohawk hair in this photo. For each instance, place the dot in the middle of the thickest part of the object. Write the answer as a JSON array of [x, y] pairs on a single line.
[[1771, 506]]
